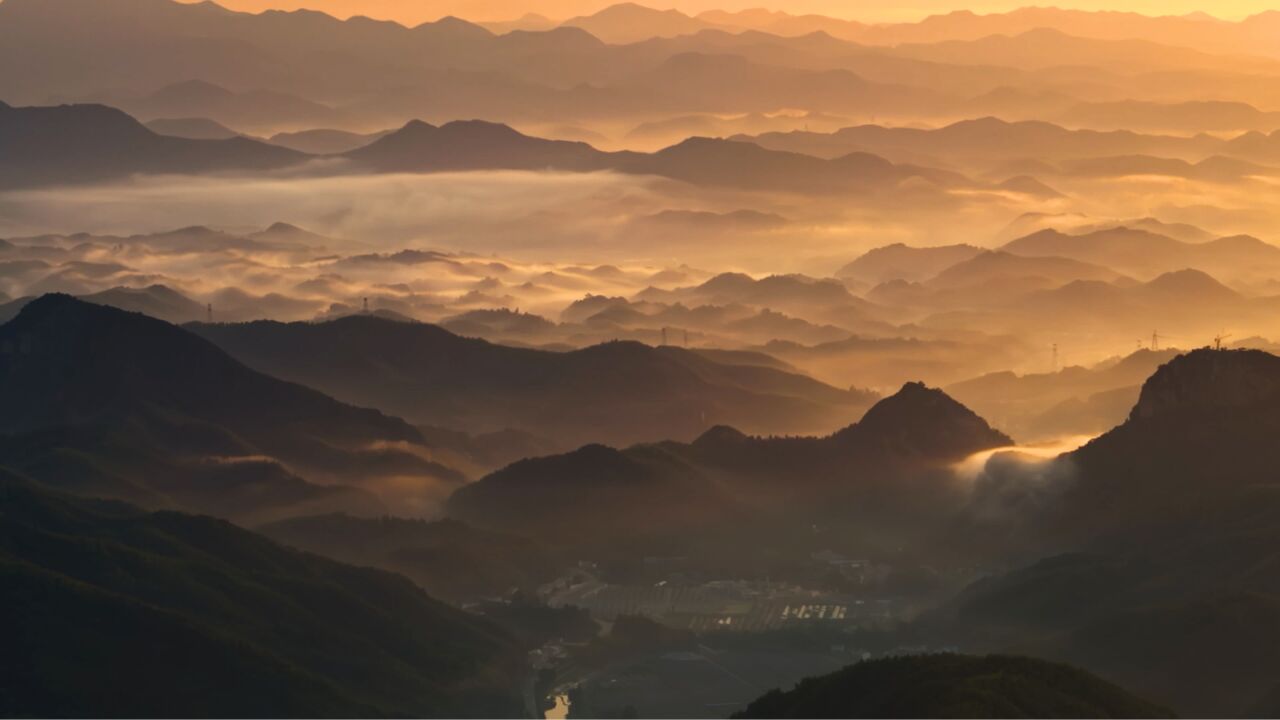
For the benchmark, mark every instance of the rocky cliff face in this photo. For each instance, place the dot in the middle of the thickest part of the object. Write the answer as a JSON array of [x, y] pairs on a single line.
[[1210, 379]]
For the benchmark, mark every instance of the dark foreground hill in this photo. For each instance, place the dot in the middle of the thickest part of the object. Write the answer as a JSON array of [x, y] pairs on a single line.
[[618, 393], [1162, 534], [114, 612], [954, 686], [447, 558], [109, 403]]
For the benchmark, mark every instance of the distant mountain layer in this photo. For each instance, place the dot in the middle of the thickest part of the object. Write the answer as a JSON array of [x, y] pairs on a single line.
[[112, 611], [86, 143], [420, 147], [996, 145], [619, 393], [953, 686]]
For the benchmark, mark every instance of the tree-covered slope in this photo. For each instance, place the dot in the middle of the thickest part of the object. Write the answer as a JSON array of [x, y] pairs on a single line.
[[116, 612], [995, 686]]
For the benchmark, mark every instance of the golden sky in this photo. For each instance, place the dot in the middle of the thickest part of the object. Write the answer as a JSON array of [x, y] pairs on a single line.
[[414, 11]]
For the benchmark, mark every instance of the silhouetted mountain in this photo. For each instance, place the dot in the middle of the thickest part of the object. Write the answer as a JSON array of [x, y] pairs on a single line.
[[473, 145], [1142, 253], [250, 110], [881, 471], [325, 142], [991, 265], [596, 493], [1072, 401], [173, 614], [448, 559], [902, 262], [923, 422], [86, 143], [476, 145], [705, 161], [1199, 301], [117, 404], [629, 22], [1192, 116], [158, 301], [192, 128], [989, 143], [953, 686], [619, 392]]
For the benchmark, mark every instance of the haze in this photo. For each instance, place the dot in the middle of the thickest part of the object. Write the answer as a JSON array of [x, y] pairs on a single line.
[[417, 11], [702, 360]]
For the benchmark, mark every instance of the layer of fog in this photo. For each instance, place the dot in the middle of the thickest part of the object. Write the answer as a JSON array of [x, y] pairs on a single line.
[[596, 217]]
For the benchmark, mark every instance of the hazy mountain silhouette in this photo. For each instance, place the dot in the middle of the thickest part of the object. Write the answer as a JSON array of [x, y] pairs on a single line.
[[902, 262], [992, 266], [473, 145], [192, 128], [87, 143], [251, 110], [1142, 253], [158, 301], [1216, 168], [452, 68], [990, 143], [953, 685], [325, 142], [1191, 116], [1071, 401], [658, 493], [1194, 31], [1047, 47], [168, 611], [146, 411], [628, 23], [620, 392]]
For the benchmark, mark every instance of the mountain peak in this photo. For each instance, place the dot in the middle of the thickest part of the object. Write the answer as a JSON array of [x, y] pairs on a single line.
[[104, 362], [926, 421], [721, 436], [1206, 379]]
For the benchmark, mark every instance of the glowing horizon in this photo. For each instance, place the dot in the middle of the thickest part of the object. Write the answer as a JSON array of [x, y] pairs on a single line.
[[418, 11]]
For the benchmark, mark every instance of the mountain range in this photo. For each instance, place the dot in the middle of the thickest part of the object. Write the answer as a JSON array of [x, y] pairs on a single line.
[[82, 143], [90, 143], [621, 392], [451, 68], [883, 472]]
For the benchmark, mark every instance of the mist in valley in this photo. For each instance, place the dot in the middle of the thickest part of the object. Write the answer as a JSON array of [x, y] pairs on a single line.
[[621, 361]]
